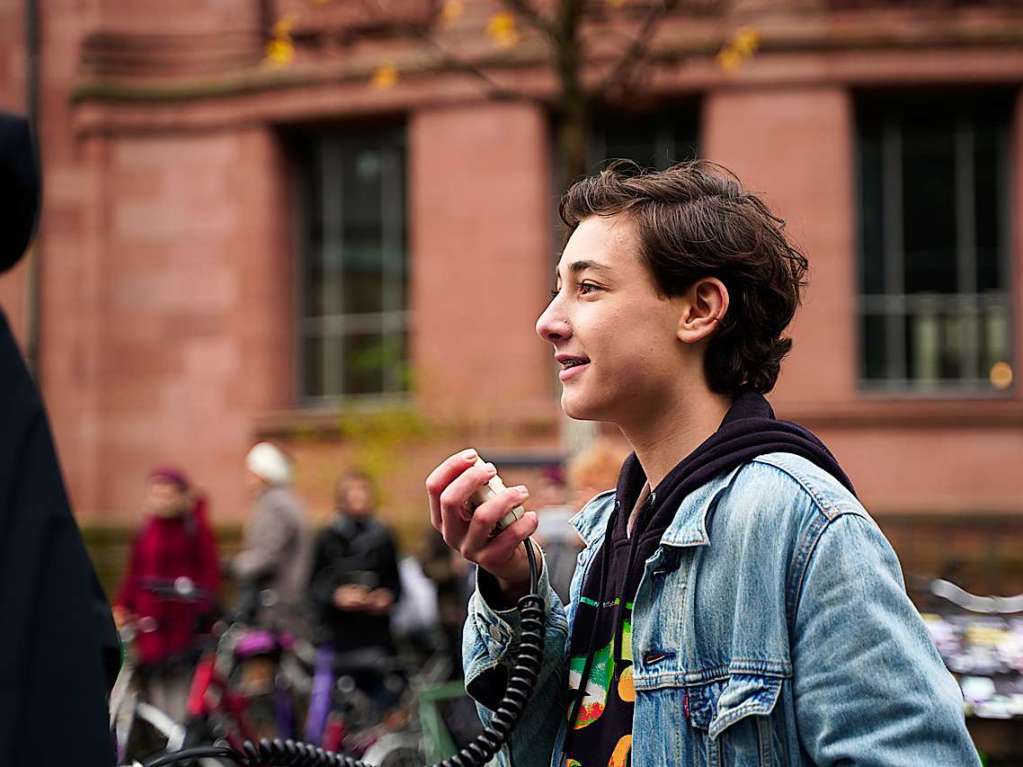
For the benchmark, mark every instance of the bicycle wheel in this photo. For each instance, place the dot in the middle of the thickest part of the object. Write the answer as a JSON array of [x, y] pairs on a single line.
[[396, 749], [144, 732]]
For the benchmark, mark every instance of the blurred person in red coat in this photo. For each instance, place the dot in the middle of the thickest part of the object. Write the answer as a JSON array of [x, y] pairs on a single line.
[[174, 551]]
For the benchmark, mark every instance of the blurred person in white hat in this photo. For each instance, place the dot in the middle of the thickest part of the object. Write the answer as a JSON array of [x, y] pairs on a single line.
[[271, 567]]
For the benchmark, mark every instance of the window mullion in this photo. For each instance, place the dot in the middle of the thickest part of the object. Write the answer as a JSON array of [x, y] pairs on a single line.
[[894, 271], [1006, 267], [333, 248], [966, 250], [389, 202]]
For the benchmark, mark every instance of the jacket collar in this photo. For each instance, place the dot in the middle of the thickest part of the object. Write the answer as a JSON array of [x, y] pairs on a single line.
[[688, 528]]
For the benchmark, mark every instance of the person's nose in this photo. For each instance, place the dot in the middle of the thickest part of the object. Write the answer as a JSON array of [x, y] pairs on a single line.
[[553, 326]]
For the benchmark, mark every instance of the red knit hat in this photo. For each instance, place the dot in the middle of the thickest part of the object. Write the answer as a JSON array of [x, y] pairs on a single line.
[[170, 475]]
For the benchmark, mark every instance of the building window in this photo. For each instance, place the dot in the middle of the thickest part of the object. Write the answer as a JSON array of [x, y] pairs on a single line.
[[653, 139], [354, 281], [935, 313]]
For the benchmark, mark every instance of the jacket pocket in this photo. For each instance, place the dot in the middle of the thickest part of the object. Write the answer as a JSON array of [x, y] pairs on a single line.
[[736, 723]]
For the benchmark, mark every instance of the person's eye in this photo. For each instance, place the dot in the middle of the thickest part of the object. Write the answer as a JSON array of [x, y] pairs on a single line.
[[586, 288]]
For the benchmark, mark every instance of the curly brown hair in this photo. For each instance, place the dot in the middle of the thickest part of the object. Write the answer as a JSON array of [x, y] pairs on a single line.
[[694, 220]]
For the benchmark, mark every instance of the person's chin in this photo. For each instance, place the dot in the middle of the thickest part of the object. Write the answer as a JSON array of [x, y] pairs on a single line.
[[578, 408]]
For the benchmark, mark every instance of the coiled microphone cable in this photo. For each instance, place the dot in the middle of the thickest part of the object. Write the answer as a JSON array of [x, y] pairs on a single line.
[[523, 676]]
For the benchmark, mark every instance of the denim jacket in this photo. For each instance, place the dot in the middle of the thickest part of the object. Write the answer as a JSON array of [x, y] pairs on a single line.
[[770, 627]]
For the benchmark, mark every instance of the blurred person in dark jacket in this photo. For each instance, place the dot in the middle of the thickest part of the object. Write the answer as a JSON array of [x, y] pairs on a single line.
[[174, 548], [354, 584], [59, 651], [455, 578], [271, 567]]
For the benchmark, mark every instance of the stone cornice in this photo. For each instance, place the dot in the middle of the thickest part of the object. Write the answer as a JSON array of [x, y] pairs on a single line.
[[812, 49]]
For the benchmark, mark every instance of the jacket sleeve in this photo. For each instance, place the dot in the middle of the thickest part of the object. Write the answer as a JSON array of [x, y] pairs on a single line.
[[266, 541], [870, 687], [489, 644], [391, 575], [322, 578]]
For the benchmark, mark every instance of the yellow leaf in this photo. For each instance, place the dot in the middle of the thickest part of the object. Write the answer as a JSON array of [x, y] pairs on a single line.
[[729, 59], [386, 76], [451, 10], [746, 41], [283, 26], [502, 30], [280, 52]]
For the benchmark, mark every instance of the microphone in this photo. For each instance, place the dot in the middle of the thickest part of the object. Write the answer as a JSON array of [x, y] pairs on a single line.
[[19, 188]]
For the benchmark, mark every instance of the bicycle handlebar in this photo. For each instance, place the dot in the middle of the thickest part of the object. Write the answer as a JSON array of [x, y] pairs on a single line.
[[182, 588], [990, 605]]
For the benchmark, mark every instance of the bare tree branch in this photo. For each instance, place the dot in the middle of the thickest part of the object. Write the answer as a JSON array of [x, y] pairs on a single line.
[[447, 58], [633, 56], [524, 10]]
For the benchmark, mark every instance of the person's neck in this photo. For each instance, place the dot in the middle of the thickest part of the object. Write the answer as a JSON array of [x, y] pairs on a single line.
[[664, 438]]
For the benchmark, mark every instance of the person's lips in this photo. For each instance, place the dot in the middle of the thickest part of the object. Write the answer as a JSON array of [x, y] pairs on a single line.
[[572, 365]]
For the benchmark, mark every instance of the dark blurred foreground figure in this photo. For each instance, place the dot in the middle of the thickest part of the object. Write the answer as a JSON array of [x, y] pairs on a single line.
[[59, 651]]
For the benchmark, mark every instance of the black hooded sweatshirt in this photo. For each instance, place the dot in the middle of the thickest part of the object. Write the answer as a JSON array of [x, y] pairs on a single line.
[[602, 696]]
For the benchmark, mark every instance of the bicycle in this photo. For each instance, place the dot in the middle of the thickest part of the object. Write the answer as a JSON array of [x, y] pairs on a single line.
[[980, 638], [224, 703], [138, 727]]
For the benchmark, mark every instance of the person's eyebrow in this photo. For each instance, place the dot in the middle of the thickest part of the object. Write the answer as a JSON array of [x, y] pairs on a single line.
[[581, 266]]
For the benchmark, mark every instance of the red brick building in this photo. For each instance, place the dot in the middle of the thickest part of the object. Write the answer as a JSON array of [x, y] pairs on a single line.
[[231, 250]]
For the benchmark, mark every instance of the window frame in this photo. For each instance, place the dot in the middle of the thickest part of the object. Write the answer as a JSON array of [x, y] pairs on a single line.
[[891, 305], [312, 146]]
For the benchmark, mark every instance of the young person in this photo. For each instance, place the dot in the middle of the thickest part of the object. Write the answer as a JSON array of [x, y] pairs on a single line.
[[175, 541], [354, 584], [735, 604], [271, 567]]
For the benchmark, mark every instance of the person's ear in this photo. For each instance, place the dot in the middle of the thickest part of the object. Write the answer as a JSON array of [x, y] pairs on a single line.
[[705, 305]]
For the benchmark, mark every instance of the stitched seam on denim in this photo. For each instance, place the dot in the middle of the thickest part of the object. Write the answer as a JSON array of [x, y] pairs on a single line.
[[744, 709], [797, 569], [760, 667], [811, 549], [764, 740], [824, 504], [723, 722], [805, 551], [700, 678]]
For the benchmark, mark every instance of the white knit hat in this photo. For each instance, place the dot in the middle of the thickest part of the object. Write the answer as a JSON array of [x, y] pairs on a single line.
[[269, 463]]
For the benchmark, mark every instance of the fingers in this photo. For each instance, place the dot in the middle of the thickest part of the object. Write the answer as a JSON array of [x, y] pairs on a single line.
[[442, 476], [454, 516], [502, 548], [456, 495], [483, 522], [449, 487]]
